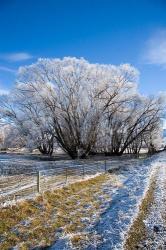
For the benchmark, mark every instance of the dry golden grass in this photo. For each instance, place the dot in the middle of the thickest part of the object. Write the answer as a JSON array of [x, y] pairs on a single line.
[[35, 223]]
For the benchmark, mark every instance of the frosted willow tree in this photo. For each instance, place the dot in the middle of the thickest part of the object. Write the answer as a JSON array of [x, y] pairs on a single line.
[[74, 94], [145, 119], [129, 119], [81, 106], [25, 115], [65, 89], [10, 137], [117, 97], [132, 125]]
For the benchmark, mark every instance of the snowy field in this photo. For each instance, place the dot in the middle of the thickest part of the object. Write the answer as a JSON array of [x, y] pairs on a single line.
[[110, 224], [19, 173], [11, 164]]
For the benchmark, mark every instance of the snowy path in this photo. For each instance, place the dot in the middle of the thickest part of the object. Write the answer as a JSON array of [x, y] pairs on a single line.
[[114, 223], [156, 220]]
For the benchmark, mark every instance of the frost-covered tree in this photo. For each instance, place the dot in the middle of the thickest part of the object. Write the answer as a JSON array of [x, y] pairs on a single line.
[[23, 111], [131, 125], [76, 94], [10, 137], [82, 107]]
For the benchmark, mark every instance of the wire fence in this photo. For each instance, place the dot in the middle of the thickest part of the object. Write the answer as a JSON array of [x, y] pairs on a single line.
[[15, 186]]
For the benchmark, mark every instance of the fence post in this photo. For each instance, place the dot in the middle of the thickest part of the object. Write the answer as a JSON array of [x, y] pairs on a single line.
[[83, 172], [105, 166], [38, 182], [66, 175]]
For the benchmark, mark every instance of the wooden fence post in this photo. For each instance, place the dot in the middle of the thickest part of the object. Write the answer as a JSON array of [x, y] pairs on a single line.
[[38, 182], [66, 175], [105, 166], [83, 172]]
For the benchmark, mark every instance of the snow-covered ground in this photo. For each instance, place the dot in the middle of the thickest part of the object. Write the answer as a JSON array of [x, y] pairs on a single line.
[[111, 229], [19, 173], [155, 222], [110, 225], [21, 164]]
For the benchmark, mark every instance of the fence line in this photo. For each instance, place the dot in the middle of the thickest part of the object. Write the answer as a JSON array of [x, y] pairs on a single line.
[[18, 186]]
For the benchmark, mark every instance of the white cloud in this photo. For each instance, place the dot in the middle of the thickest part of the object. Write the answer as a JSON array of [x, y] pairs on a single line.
[[156, 49], [4, 92], [7, 69], [16, 57]]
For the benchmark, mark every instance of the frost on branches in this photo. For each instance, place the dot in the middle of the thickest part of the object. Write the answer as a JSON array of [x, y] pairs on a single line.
[[82, 108]]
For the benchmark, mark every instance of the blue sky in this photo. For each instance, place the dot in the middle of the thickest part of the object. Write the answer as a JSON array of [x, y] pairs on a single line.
[[101, 31]]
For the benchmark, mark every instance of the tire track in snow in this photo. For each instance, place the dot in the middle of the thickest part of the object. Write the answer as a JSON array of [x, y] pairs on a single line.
[[155, 222], [116, 220]]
